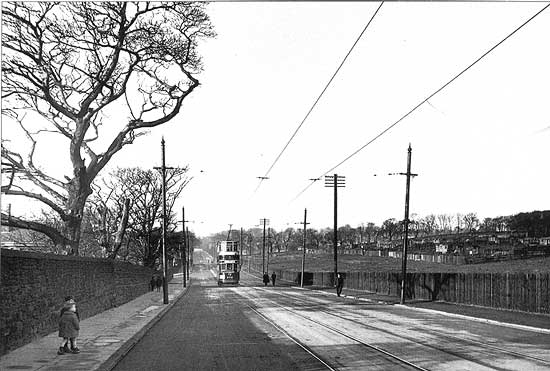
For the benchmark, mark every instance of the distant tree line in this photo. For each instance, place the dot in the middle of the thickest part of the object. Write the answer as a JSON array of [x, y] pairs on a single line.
[[532, 224]]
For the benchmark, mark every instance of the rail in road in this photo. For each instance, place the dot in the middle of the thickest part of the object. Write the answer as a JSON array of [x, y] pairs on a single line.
[[253, 327], [408, 340]]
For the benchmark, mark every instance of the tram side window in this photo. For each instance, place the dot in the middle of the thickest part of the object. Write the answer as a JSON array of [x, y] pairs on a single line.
[[223, 267]]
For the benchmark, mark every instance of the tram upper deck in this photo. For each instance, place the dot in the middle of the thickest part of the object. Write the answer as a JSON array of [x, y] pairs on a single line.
[[228, 261]]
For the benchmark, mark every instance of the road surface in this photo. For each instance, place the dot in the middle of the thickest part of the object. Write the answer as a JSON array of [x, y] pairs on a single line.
[[253, 327]]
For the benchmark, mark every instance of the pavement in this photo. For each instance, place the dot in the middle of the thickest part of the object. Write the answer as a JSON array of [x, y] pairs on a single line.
[[104, 338]]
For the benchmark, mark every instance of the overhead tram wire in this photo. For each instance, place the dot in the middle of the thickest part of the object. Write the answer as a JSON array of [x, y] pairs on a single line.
[[422, 102], [317, 100]]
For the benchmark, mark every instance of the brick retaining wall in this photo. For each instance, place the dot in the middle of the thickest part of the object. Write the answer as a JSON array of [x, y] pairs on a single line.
[[33, 286]]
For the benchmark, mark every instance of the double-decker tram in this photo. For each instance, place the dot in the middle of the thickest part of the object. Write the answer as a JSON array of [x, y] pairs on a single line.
[[228, 262]]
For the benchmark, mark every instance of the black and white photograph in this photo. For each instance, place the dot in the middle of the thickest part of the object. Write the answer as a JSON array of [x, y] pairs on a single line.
[[275, 185]]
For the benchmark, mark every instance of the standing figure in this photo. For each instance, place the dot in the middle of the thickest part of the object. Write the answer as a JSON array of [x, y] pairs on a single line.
[[339, 284], [69, 325], [159, 283], [153, 283], [273, 277], [266, 279]]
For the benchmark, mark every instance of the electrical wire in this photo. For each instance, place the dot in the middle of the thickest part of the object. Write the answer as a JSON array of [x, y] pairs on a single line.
[[423, 101], [318, 98]]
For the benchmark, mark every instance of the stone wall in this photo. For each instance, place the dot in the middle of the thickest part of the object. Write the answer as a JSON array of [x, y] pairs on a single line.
[[33, 286]]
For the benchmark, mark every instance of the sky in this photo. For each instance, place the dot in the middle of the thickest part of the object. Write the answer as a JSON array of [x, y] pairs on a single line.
[[480, 145]]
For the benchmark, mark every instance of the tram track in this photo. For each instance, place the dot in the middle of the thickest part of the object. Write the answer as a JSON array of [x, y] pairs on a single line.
[[444, 336], [394, 358], [455, 342]]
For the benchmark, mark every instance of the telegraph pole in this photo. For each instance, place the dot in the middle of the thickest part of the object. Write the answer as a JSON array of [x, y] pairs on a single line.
[[184, 244], [264, 221], [361, 239], [305, 223], [268, 249], [241, 247], [164, 258], [336, 181], [229, 232], [406, 225], [189, 258]]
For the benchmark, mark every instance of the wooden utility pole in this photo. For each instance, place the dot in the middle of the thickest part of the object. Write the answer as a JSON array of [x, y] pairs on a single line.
[[406, 225], [305, 223], [263, 221], [336, 182], [268, 249], [184, 244], [189, 252], [229, 232], [164, 257], [361, 239], [241, 248]]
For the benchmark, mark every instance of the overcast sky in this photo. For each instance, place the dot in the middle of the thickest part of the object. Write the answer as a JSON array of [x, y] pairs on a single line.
[[481, 145]]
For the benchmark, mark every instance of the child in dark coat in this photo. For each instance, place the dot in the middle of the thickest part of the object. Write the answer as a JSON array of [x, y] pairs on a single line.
[[69, 325]]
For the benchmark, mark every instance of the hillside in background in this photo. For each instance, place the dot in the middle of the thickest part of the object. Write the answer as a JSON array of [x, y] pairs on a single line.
[[354, 263]]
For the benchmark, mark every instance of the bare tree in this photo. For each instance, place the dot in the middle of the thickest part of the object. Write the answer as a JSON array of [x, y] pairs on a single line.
[[64, 65], [130, 200], [287, 237], [459, 220], [444, 222], [372, 232], [390, 227], [471, 221], [430, 224]]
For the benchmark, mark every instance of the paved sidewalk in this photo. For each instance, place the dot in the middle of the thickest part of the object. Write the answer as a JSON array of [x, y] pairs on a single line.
[[103, 339]]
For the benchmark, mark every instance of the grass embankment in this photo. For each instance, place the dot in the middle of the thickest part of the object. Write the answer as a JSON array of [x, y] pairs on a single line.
[[357, 263]]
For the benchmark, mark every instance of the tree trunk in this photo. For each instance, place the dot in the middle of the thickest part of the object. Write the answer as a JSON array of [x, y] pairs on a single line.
[[79, 190], [121, 229]]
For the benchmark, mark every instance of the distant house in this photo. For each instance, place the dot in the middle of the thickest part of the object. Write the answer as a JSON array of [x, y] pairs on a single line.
[[441, 248], [530, 241], [545, 241], [384, 245]]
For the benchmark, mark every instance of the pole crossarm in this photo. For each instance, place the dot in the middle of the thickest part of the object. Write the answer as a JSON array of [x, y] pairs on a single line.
[[335, 180]]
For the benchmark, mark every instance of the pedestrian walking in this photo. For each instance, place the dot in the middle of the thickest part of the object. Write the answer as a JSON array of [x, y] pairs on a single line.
[[266, 279], [153, 283], [159, 283], [339, 284], [273, 277], [69, 325]]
